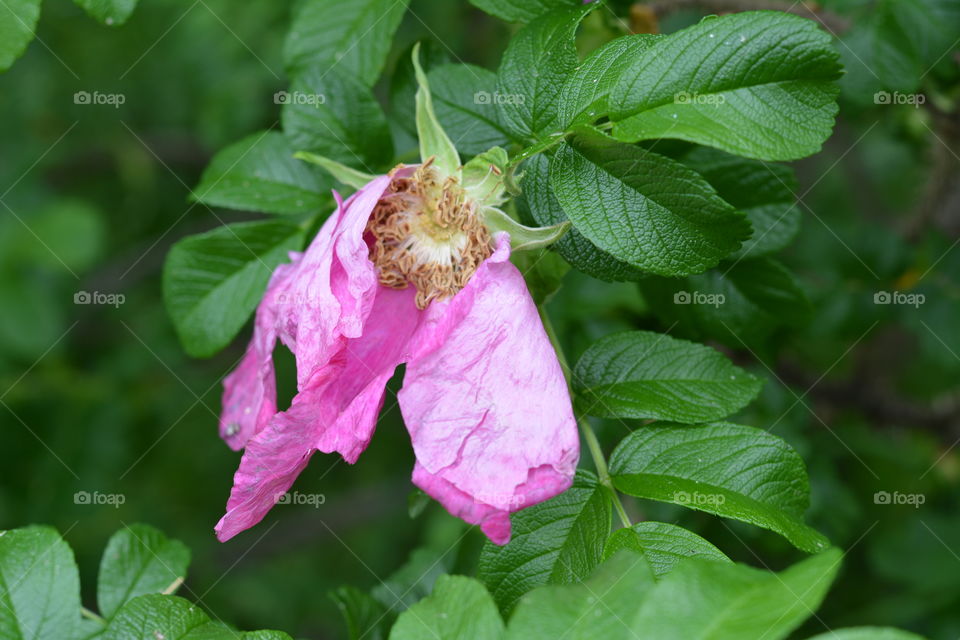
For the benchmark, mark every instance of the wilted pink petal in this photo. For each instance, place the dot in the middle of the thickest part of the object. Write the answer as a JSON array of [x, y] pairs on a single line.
[[486, 402]]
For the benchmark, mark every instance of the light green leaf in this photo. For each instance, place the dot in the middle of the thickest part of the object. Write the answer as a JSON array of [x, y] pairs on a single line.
[[333, 115], [466, 101], [365, 617], [554, 542], [597, 608], [726, 469], [110, 12], [663, 545], [434, 142], [214, 280], [573, 246], [643, 208], [643, 374], [759, 84], [259, 173], [39, 585], [18, 19], [458, 608], [586, 92], [138, 560], [352, 37], [347, 175], [534, 68], [718, 601], [522, 238], [521, 10]]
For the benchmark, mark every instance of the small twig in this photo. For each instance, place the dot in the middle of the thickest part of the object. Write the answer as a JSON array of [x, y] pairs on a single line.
[[90, 615], [173, 586]]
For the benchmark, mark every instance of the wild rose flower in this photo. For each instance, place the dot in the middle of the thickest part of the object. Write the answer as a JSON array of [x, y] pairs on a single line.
[[412, 269]]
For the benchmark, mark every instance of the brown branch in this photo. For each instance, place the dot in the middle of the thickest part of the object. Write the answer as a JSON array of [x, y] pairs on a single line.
[[831, 22]]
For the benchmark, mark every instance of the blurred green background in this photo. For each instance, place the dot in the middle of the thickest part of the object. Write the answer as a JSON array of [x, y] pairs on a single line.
[[101, 398]]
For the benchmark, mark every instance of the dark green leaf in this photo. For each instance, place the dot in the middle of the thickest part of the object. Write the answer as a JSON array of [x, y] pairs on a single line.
[[573, 246], [18, 19], [554, 542], [259, 173], [352, 37], [365, 617], [642, 374], [138, 560], [759, 84], [465, 99], [533, 70], [333, 115], [458, 608], [39, 585], [726, 469], [644, 208], [521, 10], [663, 545], [213, 281], [719, 601]]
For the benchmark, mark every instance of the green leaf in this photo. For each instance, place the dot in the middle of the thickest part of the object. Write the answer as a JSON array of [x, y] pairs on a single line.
[[138, 560], [333, 115], [718, 601], [347, 175], [663, 545], [521, 10], [585, 94], [763, 191], [554, 542], [214, 280], [739, 303], [18, 19], [458, 608], [642, 374], [867, 633], [39, 585], [596, 608], [532, 72], [759, 84], [434, 141], [414, 580], [365, 617], [259, 173], [112, 13], [573, 246], [352, 37], [643, 208], [726, 469], [465, 98]]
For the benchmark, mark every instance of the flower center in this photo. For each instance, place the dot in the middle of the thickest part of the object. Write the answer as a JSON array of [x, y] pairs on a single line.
[[427, 233]]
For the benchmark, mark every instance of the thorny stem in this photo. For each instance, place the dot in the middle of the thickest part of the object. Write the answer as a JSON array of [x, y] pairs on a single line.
[[599, 461]]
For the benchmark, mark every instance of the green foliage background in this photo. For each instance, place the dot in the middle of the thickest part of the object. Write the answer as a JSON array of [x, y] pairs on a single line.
[[103, 399]]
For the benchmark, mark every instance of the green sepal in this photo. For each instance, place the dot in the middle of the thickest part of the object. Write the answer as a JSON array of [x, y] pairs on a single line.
[[522, 238], [434, 142], [347, 175]]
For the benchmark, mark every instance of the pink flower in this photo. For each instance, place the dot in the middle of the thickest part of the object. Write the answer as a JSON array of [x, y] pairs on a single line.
[[405, 271]]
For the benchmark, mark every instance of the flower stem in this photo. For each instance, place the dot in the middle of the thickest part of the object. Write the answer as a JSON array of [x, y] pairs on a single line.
[[86, 613], [599, 461]]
